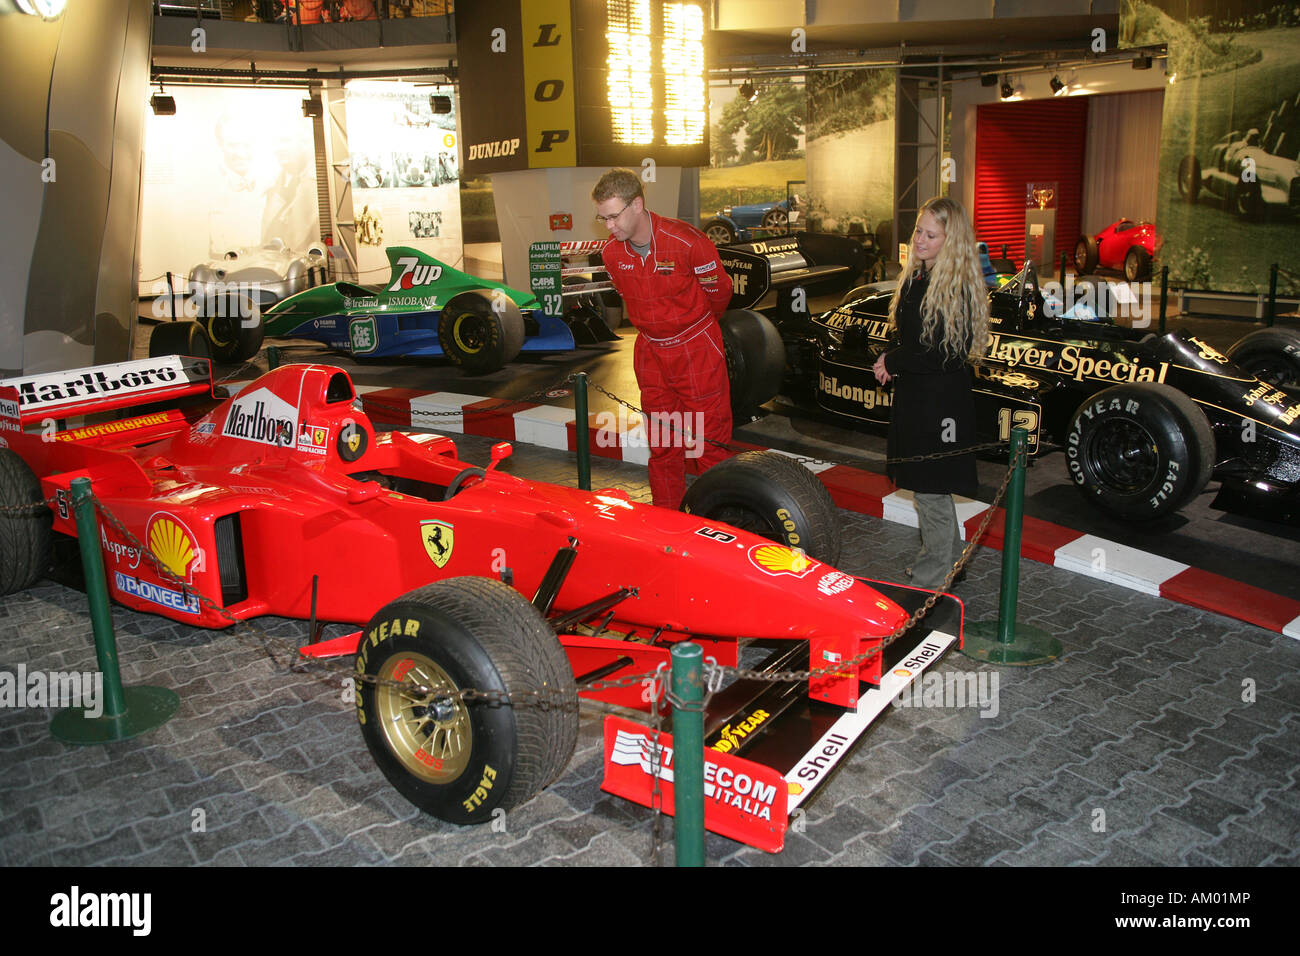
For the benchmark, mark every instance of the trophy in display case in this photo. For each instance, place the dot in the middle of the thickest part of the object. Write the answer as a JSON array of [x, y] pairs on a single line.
[[1040, 226]]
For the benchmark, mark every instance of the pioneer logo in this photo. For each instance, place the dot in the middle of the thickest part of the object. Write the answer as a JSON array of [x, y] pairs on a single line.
[[264, 417]]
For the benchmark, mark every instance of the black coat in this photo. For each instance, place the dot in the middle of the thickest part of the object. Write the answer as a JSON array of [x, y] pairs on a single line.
[[933, 409]]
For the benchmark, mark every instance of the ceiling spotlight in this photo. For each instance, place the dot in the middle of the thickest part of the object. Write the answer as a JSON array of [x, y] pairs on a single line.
[[748, 92], [988, 79], [1057, 86], [1142, 62], [1007, 90], [312, 106], [163, 105], [439, 103]]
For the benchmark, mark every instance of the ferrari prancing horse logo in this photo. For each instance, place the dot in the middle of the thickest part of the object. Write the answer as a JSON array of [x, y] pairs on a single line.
[[439, 538]]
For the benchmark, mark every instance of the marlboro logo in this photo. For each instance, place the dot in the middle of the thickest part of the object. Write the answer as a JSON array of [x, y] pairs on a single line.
[[263, 417], [109, 380]]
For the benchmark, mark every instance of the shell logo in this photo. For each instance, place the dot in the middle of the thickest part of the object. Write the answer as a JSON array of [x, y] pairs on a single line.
[[173, 544], [778, 559]]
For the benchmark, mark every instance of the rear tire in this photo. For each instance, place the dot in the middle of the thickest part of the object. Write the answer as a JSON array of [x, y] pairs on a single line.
[[755, 359], [24, 535], [461, 759], [1086, 255], [233, 327], [720, 232], [1140, 451], [772, 496]]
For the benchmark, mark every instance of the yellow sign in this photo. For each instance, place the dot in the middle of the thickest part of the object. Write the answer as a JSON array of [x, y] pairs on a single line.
[[548, 83], [439, 538]]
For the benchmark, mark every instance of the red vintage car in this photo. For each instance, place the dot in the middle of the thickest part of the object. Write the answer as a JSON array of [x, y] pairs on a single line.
[[285, 500], [1127, 246]]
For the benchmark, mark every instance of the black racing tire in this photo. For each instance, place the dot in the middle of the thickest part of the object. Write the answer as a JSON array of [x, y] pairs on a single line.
[[776, 219], [1248, 200], [860, 292], [1139, 451], [1086, 255], [720, 232], [460, 760], [481, 332], [1189, 179], [755, 359], [233, 326], [25, 536], [770, 495], [179, 338], [1271, 355], [1137, 264]]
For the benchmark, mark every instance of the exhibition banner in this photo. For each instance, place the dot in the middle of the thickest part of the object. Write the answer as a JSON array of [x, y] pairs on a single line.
[[233, 169], [405, 172], [1230, 139]]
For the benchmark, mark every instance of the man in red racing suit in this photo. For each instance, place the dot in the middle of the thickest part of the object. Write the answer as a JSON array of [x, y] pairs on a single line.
[[673, 288]]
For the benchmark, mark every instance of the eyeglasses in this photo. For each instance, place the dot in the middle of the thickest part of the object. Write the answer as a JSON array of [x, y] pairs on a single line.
[[607, 220]]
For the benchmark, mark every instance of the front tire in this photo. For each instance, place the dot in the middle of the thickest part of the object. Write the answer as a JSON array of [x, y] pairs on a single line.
[[1140, 451], [772, 496], [481, 333], [1137, 264], [776, 219], [720, 232], [179, 338], [1271, 355], [461, 759], [233, 327], [1189, 179], [24, 535], [1248, 200]]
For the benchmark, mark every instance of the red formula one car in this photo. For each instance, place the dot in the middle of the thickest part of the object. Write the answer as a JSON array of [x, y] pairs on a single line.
[[285, 500], [1126, 246]]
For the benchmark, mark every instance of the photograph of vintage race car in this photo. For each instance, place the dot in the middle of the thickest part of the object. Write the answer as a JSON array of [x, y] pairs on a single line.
[[445, 576], [1126, 246], [737, 223], [1144, 420], [427, 309], [1274, 183]]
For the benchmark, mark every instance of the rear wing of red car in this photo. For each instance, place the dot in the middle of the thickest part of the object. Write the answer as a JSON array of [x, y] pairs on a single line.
[[74, 393]]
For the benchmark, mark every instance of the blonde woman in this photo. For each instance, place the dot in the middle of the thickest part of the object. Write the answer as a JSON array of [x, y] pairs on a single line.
[[940, 316]]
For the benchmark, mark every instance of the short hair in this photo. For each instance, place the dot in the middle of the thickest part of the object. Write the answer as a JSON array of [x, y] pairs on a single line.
[[623, 183]]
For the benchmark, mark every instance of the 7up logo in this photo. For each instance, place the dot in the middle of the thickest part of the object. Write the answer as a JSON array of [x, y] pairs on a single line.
[[414, 274]]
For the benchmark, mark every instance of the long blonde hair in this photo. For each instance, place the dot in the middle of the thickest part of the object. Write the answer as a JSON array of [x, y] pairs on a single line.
[[957, 298]]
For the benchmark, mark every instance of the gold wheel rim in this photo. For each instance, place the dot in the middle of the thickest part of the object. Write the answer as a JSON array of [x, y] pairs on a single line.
[[431, 734], [464, 332]]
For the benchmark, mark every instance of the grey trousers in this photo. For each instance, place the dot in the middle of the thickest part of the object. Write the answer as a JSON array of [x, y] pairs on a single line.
[[941, 545]]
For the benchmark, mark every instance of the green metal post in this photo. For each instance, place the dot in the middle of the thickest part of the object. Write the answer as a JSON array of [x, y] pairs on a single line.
[[1003, 641], [127, 711], [581, 433], [101, 616], [1164, 296], [272, 357], [1272, 296], [688, 753]]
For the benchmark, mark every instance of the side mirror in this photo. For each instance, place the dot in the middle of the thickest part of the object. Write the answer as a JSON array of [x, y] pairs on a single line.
[[500, 452]]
